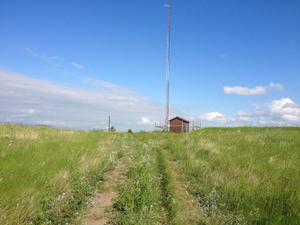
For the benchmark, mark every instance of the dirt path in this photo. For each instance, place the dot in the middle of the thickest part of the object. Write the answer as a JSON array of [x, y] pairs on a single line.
[[101, 208], [188, 208]]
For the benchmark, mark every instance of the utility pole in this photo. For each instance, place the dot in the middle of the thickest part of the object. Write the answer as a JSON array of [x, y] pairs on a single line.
[[108, 123], [169, 6]]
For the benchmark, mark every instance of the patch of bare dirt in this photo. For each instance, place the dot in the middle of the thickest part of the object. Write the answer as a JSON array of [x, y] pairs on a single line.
[[101, 208]]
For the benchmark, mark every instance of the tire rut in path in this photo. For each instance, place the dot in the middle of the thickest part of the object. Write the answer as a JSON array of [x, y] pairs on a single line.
[[100, 210], [188, 207]]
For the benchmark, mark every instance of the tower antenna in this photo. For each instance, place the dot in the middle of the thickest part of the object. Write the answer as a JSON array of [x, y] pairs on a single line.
[[169, 6]]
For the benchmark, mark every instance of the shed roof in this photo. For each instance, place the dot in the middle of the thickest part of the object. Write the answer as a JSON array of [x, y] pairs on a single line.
[[179, 118]]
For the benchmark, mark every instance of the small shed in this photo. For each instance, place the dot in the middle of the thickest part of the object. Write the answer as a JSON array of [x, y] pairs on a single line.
[[178, 125]]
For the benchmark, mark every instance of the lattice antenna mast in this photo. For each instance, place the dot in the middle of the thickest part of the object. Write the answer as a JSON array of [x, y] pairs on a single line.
[[169, 7]]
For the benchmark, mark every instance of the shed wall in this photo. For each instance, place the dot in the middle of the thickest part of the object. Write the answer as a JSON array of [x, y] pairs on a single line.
[[179, 126]]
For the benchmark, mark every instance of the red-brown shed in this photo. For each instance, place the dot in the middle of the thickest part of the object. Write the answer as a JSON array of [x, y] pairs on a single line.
[[178, 125]]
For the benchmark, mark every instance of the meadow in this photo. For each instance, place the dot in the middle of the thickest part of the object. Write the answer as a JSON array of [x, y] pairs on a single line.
[[211, 176]]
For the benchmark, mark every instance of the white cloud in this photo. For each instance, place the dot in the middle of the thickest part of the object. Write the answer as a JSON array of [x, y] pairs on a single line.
[[245, 91], [146, 120], [285, 110], [279, 112], [214, 117], [244, 116], [277, 86], [28, 100], [245, 119], [78, 66], [242, 113]]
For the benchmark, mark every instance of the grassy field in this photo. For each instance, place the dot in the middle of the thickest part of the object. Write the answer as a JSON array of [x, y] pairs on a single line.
[[47, 175], [242, 175], [212, 176]]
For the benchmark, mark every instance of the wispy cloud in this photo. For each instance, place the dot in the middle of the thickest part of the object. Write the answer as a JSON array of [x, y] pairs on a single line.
[[147, 121], [24, 99], [255, 91], [108, 87], [78, 66], [246, 91], [277, 86], [244, 116], [215, 117], [39, 55], [53, 59]]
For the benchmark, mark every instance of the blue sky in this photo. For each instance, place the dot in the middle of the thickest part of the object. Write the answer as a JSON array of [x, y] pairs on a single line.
[[233, 62]]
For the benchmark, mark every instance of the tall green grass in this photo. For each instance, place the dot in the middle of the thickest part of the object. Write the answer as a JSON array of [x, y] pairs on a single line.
[[237, 175], [243, 175], [140, 200], [148, 198], [47, 175], [167, 187]]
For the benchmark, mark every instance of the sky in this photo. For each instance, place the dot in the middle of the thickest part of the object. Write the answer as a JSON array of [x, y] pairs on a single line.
[[72, 63]]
